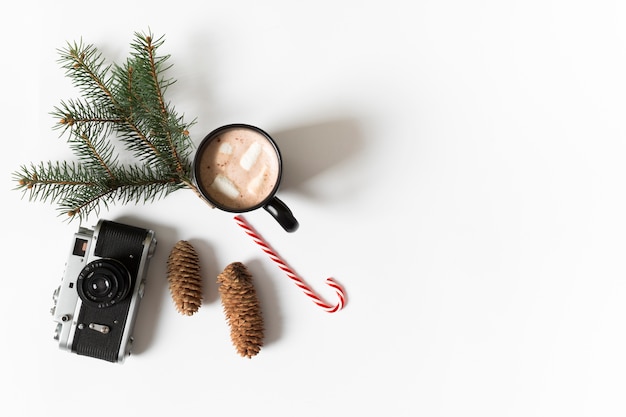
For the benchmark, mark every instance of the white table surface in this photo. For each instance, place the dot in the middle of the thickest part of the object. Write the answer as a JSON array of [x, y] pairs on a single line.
[[457, 166]]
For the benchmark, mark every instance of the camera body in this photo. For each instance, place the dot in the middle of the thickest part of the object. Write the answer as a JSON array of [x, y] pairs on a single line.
[[96, 305]]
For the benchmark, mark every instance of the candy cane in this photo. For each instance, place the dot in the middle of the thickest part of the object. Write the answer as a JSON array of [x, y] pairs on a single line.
[[299, 282]]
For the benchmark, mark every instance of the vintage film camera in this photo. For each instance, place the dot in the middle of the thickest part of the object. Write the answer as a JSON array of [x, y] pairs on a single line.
[[97, 302]]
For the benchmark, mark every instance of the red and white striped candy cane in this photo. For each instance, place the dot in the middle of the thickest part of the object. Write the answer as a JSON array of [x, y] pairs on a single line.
[[298, 281]]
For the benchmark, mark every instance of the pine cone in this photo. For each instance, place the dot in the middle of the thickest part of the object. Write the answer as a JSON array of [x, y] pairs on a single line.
[[242, 309], [183, 275]]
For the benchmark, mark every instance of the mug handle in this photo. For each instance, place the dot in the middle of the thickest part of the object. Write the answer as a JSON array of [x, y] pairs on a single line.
[[282, 214]]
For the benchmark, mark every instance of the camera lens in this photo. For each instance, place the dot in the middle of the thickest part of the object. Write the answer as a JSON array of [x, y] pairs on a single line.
[[100, 285], [103, 282]]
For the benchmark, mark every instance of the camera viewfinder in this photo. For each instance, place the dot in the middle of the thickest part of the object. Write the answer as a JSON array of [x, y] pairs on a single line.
[[80, 247]]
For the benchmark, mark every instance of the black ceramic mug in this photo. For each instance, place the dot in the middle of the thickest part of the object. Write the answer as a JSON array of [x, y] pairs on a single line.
[[238, 168]]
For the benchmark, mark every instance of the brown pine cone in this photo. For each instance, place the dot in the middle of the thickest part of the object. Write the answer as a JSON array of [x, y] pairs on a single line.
[[183, 275], [242, 309]]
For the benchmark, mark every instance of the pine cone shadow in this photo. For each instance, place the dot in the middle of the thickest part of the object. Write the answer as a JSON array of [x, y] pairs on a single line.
[[156, 284], [209, 268], [269, 301]]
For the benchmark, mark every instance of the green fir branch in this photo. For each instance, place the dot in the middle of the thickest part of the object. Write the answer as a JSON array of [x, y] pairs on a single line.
[[143, 83], [88, 71], [121, 106], [50, 181]]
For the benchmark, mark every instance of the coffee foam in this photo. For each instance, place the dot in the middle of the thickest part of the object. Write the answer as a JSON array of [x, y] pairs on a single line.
[[238, 169]]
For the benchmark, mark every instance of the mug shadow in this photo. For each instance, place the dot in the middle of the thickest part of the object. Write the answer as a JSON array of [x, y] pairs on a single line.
[[310, 150]]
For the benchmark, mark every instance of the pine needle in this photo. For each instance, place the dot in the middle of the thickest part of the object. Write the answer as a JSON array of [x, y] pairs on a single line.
[[122, 108]]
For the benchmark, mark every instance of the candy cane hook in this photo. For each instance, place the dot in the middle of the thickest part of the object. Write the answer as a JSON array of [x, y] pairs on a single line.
[[291, 274]]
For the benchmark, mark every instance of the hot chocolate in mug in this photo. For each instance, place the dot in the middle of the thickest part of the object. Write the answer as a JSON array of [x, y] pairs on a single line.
[[238, 168]]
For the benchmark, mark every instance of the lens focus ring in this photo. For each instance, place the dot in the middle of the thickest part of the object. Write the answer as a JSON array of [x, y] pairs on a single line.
[[103, 283]]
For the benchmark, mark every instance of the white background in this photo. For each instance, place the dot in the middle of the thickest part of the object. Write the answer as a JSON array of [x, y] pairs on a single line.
[[458, 166]]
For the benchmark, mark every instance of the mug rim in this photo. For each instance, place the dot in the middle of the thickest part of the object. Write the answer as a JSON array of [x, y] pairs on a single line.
[[208, 139]]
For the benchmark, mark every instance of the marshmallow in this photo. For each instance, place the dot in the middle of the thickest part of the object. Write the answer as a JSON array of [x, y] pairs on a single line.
[[256, 182], [225, 186], [249, 158], [226, 148]]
